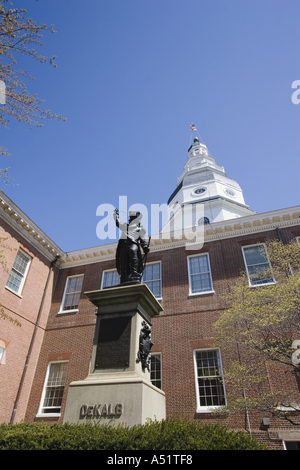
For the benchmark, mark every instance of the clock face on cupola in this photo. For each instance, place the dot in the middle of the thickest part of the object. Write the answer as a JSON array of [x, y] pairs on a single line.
[[204, 182]]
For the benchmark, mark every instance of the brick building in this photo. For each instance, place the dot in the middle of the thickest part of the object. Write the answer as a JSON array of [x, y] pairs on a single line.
[[189, 284], [26, 287]]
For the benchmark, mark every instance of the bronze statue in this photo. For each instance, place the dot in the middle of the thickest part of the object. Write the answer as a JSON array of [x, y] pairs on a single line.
[[129, 261]]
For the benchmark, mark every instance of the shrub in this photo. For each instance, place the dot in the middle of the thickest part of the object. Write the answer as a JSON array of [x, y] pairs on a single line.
[[170, 434]]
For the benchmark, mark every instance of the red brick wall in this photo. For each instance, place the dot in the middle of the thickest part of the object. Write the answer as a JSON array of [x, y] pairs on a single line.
[[183, 326], [25, 309]]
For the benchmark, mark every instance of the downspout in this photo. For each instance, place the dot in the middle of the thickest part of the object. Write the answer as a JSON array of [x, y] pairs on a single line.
[[32, 342]]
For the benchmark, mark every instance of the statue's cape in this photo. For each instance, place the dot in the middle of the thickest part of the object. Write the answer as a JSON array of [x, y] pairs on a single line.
[[122, 244]]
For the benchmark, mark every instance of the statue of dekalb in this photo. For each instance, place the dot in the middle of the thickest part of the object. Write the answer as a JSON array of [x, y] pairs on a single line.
[[129, 261]]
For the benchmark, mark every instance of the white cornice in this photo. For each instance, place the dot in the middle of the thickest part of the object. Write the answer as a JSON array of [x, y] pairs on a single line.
[[23, 225], [220, 230]]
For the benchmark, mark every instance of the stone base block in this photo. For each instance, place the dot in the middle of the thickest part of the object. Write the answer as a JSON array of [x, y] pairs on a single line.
[[129, 401]]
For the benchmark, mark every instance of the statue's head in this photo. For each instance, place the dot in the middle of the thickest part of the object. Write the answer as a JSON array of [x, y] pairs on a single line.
[[135, 215]]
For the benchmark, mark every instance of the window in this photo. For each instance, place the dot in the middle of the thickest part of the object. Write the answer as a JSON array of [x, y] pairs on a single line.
[[209, 379], [54, 388], [155, 371], [72, 294], [110, 278], [152, 277], [257, 265], [292, 445], [19, 272], [200, 280]]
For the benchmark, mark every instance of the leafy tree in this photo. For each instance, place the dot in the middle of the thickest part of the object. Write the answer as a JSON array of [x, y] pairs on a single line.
[[257, 333], [19, 35]]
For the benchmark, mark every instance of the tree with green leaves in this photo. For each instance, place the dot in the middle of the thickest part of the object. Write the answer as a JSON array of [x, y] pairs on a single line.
[[19, 35], [258, 333]]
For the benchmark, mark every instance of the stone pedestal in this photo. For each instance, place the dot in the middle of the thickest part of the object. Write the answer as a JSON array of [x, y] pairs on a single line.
[[118, 388]]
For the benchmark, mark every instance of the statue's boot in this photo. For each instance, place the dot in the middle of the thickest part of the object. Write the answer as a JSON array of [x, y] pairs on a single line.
[[134, 273]]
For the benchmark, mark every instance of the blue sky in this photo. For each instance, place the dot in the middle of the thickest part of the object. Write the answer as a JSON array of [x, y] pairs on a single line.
[[131, 76]]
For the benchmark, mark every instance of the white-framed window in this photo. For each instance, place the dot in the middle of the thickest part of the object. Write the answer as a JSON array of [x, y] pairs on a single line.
[[155, 370], [53, 389], [19, 272], [258, 265], [110, 278], [152, 277], [200, 279], [72, 293], [210, 387]]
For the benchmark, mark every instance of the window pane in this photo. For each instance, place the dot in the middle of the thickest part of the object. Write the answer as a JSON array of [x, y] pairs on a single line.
[[200, 277], [152, 272], [210, 383], [152, 278], [199, 264], [110, 278], [260, 274], [72, 294], [154, 287], [155, 374], [55, 388], [20, 263], [14, 280], [254, 254], [74, 284], [201, 283], [71, 301], [258, 266], [16, 277]]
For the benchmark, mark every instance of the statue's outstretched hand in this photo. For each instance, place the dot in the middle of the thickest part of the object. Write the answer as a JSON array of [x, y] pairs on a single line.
[[116, 213]]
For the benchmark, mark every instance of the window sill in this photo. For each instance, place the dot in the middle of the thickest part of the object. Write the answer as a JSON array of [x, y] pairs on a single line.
[[201, 293], [48, 415], [65, 312], [209, 409], [14, 292], [262, 285]]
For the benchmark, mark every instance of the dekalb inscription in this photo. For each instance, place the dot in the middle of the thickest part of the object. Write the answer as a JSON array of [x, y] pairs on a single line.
[[101, 411]]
